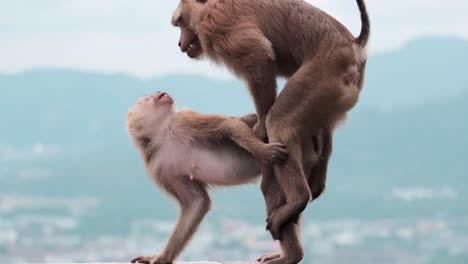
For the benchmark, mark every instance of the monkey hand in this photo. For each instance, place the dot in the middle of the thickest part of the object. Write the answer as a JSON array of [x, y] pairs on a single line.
[[260, 131], [150, 260], [274, 153]]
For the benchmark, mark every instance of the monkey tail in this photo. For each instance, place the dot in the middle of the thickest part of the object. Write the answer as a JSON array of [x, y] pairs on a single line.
[[363, 37]]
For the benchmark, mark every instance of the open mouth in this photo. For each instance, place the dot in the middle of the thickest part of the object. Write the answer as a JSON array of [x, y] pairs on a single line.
[[162, 95], [193, 49]]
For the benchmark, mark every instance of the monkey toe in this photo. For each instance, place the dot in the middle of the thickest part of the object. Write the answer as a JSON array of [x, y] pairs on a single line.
[[265, 258], [141, 259], [147, 260]]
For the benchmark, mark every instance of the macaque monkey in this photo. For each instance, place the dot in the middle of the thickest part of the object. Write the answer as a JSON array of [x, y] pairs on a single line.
[[324, 65], [184, 152]]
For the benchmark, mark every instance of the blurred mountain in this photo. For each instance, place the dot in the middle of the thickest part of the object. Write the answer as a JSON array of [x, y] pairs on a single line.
[[409, 131], [72, 103], [425, 70]]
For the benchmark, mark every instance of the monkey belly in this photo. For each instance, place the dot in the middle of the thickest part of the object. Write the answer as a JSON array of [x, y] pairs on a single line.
[[225, 165]]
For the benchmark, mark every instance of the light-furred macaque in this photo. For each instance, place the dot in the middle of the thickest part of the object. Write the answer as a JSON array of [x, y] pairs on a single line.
[[324, 65], [184, 152]]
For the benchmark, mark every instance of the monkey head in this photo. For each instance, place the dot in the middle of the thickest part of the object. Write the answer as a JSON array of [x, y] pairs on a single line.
[[186, 18], [149, 113]]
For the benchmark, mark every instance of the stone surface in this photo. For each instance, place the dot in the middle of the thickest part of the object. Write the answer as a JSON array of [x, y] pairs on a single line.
[[181, 262]]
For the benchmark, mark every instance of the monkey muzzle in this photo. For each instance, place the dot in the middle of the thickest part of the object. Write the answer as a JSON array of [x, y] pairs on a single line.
[[163, 97], [189, 43]]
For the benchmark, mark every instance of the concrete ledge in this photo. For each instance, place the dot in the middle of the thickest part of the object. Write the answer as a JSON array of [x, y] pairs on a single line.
[[177, 262]]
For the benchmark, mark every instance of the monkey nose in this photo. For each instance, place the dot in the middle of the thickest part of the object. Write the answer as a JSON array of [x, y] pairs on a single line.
[[180, 43]]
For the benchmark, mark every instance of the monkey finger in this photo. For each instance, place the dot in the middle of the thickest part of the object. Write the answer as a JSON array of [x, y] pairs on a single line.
[[284, 154], [276, 153]]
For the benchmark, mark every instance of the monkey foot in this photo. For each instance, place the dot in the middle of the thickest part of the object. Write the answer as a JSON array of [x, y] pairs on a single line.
[[268, 257], [150, 260], [143, 259]]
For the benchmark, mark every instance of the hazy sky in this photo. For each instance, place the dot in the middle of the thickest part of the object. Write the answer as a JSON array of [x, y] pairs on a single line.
[[136, 37]]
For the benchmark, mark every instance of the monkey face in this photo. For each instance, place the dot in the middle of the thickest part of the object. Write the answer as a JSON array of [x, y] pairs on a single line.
[[183, 18], [189, 43], [149, 111], [157, 100]]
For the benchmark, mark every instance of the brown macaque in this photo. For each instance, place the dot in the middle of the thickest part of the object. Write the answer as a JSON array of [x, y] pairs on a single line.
[[324, 65], [184, 152]]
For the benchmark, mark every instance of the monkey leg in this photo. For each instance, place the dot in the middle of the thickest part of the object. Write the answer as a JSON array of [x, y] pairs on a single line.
[[317, 180], [301, 106], [272, 192], [291, 178], [318, 173], [274, 198], [291, 249], [195, 204]]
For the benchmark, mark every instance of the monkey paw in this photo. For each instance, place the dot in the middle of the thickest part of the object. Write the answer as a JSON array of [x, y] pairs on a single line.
[[150, 260], [268, 257], [274, 153], [274, 225]]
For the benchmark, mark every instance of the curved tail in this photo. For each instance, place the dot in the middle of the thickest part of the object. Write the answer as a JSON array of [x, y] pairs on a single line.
[[363, 37]]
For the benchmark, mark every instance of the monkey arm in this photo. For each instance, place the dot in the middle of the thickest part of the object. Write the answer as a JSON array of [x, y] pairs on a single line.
[[244, 136], [249, 54], [208, 127]]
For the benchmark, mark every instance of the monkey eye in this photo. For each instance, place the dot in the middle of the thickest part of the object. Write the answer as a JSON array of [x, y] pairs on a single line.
[[201, 1]]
